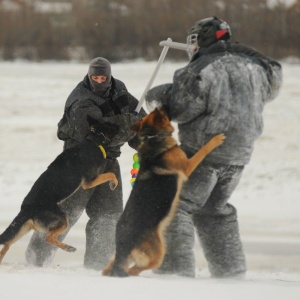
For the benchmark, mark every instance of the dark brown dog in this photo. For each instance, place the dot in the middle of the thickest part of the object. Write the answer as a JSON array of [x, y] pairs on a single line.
[[79, 166], [152, 203]]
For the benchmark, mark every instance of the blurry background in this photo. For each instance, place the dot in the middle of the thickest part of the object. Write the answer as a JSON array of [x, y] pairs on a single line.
[[44, 50], [130, 29]]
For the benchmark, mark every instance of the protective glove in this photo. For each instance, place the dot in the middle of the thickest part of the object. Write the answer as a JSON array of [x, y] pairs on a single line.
[[124, 134]]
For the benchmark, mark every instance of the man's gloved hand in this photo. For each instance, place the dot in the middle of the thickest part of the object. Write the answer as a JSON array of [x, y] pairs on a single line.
[[124, 121]]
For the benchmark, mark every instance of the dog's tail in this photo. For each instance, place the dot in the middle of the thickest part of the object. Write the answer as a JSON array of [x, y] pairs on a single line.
[[16, 228]]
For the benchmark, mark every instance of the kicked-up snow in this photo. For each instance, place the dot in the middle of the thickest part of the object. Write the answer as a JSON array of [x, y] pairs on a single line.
[[32, 97]]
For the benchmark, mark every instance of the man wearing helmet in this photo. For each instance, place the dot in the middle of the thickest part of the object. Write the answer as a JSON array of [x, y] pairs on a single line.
[[223, 89]]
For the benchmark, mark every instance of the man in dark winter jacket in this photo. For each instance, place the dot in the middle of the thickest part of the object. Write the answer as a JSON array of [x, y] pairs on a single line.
[[104, 98], [223, 89]]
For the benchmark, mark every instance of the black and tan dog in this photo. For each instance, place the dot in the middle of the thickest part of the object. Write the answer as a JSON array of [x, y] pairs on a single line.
[[79, 166], [152, 203]]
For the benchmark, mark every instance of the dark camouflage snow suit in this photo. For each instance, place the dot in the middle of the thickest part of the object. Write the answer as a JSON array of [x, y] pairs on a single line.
[[223, 89], [102, 205]]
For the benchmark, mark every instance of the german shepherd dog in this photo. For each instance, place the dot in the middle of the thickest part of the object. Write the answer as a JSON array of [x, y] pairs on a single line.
[[79, 166], [153, 200]]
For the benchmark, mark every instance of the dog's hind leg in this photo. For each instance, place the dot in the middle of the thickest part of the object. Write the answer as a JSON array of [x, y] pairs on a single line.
[[24, 229], [145, 262], [114, 270], [107, 270], [194, 161], [53, 235], [148, 255], [3, 251], [118, 266], [101, 178]]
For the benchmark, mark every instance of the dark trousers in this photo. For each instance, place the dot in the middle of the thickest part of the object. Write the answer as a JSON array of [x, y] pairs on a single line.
[[103, 208]]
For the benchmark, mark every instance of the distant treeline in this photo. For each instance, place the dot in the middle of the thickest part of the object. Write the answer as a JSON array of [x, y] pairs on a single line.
[[130, 29]]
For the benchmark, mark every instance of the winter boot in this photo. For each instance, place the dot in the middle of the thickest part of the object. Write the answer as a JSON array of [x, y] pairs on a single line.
[[220, 240], [100, 241]]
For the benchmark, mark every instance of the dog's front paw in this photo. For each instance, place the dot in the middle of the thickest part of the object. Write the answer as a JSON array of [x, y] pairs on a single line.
[[113, 184], [218, 139]]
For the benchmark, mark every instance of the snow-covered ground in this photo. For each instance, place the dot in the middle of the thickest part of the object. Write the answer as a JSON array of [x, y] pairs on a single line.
[[32, 97]]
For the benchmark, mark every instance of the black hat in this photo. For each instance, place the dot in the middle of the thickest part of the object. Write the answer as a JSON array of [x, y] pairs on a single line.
[[210, 30]]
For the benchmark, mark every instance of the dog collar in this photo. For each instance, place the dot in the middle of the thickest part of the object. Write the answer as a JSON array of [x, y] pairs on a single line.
[[102, 150]]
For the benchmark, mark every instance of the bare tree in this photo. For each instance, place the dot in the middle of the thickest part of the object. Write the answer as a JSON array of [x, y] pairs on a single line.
[[128, 29]]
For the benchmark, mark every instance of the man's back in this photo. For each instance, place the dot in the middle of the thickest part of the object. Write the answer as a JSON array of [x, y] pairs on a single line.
[[227, 95]]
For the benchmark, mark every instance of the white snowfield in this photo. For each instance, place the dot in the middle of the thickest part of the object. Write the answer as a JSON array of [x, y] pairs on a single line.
[[32, 97]]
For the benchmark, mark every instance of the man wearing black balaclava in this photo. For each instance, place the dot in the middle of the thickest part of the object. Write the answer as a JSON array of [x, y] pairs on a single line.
[[106, 99], [100, 76]]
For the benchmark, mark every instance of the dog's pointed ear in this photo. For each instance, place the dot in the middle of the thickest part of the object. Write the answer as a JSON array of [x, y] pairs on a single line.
[[136, 126], [160, 115], [91, 121], [166, 111]]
